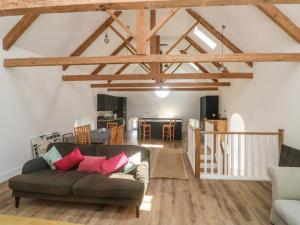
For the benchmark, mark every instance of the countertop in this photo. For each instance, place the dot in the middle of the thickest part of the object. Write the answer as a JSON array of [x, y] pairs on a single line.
[[109, 120], [160, 119]]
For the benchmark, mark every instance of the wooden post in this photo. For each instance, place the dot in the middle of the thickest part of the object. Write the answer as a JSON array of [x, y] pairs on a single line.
[[197, 152], [141, 32], [280, 139]]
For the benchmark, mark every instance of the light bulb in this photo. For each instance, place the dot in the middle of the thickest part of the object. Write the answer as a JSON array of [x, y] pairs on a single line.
[[106, 39]]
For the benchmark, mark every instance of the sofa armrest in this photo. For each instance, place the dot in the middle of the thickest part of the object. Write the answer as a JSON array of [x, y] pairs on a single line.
[[34, 165], [285, 182]]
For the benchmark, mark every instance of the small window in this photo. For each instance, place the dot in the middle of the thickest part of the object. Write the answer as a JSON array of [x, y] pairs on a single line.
[[209, 42]]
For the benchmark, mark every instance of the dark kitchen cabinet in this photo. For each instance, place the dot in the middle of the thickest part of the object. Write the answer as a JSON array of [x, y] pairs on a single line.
[[107, 103]]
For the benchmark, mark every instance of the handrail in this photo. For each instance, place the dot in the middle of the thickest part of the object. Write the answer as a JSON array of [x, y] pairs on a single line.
[[246, 133]]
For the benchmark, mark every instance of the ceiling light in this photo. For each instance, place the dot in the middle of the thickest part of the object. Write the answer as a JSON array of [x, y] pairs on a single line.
[[162, 92], [209, 42]]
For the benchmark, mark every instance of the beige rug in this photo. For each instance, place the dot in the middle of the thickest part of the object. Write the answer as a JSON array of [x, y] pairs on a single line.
[[18, 220], [169, 164]]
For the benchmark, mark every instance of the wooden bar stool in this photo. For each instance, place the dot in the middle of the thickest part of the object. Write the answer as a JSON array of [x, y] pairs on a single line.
[[145, 129], [111, 125], [169, 131]]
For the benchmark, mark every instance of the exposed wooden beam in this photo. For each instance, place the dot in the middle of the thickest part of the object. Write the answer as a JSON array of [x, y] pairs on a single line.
[[141, 32], [176, 76], [185, 84], [181, 38], [162, 22], [98, 69], [122, 24], [201, 50], [122, 69], [216, 33], [281, 20], [93, 37], [16, 32], [134, 59], [169, 89], [17, 7], [154, 44], [123, 38]]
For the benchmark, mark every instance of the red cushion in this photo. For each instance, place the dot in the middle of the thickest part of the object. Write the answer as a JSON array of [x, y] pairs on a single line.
[[91, 164], [114, 163], [69, 161]]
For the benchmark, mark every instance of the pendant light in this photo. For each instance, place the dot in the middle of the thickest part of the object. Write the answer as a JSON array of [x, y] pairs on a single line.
[[106, 39], [223, 68]]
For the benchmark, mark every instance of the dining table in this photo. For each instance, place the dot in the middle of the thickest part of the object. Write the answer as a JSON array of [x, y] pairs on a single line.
[[98, 136]]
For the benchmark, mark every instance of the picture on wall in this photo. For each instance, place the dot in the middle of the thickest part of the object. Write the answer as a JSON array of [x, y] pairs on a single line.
[[39, 144]]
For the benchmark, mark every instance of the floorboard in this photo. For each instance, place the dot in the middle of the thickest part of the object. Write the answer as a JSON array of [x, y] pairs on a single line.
[[174, 202]]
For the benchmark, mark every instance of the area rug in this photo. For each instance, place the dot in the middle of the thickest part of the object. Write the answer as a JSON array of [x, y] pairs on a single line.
[[18, 220], [169, 164]]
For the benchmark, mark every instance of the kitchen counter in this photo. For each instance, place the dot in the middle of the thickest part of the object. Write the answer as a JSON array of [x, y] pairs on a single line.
[[157, 126], [102, 123]]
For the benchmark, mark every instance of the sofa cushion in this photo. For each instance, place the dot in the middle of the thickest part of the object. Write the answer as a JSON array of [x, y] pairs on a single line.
[[69, 161], [288, 210], [51, 157], [96, 185], [46, 182], [66, 148], [91, 164], [114, 164]]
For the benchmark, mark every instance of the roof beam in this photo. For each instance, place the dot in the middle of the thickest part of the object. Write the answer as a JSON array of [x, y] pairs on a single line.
[[201, 50], [169, 89], [162, 22], [124, 26], [141, 31], [186, 84], [98, 69], [216, 33], [176, 76], [281, 20], [16, 32], [136, 59], [17, 7], [93, 37]]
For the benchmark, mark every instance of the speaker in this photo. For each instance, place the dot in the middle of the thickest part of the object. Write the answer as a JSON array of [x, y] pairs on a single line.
[[209, 107]]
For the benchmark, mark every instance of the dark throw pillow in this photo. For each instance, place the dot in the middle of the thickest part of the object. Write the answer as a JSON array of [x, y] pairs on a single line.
[[289, 157]]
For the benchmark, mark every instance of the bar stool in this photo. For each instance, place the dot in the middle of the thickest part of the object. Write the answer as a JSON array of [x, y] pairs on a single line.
[[111, 125], [145, 129], [169, 131]]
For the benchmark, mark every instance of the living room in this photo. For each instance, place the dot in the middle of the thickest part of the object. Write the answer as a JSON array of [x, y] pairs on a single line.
[[193, 168]]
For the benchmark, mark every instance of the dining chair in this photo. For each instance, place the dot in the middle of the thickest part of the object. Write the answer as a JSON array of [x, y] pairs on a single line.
[[113, 135], [120, 135], [144, 129], [83, 134]]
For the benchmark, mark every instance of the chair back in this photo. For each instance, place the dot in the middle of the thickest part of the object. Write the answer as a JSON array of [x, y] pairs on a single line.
[[173, 122], [120, 135], [113, 135], [83, 134], [111, 125]]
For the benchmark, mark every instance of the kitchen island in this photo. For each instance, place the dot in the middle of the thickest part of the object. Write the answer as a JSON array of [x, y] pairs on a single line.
[[157, 127]]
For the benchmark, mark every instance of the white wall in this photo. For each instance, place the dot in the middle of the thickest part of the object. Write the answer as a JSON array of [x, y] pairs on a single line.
[[35, 101], [269, 101]]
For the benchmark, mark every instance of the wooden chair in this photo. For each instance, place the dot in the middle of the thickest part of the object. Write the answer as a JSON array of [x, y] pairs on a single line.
[[120, 135], [169, 131], [145, 129], [113, 135], [111, 125], [83, 134]]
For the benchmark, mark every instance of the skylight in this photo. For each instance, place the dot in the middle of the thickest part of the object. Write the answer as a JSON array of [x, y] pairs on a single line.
[[210, 43], [194, 66]]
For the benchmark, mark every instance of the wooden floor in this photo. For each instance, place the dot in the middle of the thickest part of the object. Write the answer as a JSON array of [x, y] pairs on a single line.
[[169, 202]]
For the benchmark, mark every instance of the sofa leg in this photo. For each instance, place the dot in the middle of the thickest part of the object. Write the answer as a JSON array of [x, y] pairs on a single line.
[[17, 202], [137, 211]]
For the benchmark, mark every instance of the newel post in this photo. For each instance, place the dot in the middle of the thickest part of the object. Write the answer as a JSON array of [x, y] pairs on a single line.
[[280, 139], [197, 152]]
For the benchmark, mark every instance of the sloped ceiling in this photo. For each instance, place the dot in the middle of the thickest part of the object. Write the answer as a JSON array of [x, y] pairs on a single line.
[[246, 26]]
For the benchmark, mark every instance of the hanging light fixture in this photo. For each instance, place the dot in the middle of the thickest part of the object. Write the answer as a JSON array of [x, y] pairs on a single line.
[[223, 68], [106, 39]]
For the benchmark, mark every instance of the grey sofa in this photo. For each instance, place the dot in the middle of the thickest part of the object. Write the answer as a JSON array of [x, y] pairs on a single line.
[[285, 195], [39, 181]]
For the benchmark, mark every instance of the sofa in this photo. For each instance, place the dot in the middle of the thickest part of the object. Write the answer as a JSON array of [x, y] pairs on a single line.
[[285, 195], [39, 181]]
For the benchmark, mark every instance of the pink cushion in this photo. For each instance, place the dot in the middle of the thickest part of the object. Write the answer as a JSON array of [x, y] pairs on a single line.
[[91, 164], [114, 163], [69, 161]]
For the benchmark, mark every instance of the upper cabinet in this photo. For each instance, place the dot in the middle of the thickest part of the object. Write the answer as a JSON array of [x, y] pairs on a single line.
[[107, 103]]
